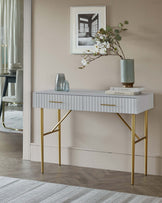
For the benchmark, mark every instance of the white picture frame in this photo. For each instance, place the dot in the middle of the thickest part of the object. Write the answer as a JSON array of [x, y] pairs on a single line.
[[84, 23]]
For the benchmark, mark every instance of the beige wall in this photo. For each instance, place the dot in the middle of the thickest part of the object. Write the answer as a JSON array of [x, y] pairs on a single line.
[[98, 139]]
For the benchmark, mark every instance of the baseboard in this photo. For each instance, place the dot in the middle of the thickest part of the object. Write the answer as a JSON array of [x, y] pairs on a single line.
[[97, 159]]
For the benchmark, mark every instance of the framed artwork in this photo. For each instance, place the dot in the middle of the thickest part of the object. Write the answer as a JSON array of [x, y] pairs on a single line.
[[85, 22]]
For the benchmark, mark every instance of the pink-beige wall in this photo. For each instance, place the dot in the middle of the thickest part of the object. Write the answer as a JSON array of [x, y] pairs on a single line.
[[98, 140]]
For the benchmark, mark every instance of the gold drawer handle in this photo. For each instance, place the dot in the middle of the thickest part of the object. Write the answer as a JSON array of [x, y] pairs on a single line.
[[56, 102], [108, 105]]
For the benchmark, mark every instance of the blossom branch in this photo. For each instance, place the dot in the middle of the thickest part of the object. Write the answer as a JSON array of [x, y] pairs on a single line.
[[107, 43]]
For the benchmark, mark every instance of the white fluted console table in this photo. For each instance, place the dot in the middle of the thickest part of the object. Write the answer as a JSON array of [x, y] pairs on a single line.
[[94, 101]]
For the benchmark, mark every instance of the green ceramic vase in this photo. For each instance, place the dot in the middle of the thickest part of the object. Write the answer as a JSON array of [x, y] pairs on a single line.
[[127, 72]]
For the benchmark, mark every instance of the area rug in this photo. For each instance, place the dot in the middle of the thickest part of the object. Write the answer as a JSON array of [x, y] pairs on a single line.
[[13, 119], [15, 190]]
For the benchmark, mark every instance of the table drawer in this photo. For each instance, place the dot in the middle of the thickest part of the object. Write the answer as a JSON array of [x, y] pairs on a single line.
[[53, 101], [109, 104]]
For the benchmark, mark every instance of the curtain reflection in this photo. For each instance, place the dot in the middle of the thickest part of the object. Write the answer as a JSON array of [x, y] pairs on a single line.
[[11, 35]]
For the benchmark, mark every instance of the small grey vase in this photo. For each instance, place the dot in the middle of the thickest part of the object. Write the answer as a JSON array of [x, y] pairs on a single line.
[[60, 81], [127, 72]]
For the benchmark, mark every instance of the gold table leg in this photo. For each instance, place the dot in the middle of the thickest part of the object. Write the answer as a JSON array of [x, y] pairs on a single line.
[[146, 139], [59, 135], [133, 147], [57, 128], [139, 139], [42, 141]]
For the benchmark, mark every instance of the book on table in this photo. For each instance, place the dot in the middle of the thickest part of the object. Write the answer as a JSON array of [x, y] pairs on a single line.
[[124, 91]]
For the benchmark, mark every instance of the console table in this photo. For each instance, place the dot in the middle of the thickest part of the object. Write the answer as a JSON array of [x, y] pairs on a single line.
[[94, 101]]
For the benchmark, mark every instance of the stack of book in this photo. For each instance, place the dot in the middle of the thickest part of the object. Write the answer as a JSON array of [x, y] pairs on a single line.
[[125, 91]]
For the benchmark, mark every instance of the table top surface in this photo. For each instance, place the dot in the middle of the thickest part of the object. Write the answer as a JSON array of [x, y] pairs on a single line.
[[90, 93]]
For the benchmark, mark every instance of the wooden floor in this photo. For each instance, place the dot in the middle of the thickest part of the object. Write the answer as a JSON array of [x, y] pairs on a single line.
[[12, 165]]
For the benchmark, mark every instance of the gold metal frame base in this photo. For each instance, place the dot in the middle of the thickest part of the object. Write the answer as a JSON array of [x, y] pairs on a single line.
[[134, 137]]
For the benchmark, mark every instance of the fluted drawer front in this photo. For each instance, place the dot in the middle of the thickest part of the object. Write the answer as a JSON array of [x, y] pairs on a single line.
[[69, 102], [95, 101], [85, 103], [109, 104]]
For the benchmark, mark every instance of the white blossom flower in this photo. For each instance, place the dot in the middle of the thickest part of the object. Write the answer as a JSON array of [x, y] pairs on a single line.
[[104, 43], [84, 62], [96, 49], [101, 36], [108, 45], [88, 52], [101, 46], [103, 51], [98, 42]]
